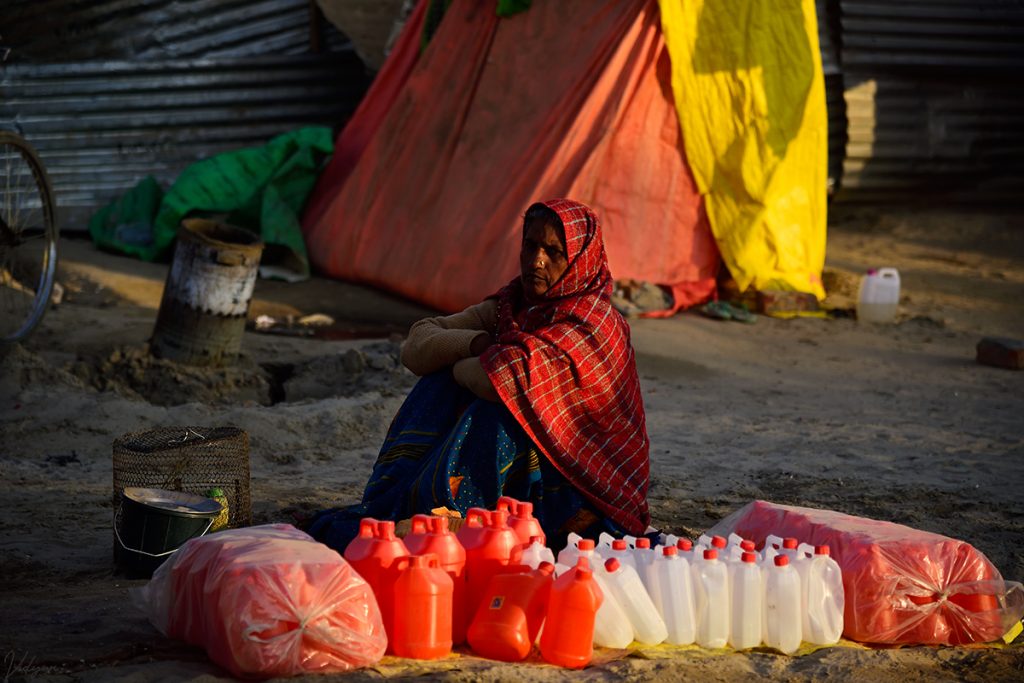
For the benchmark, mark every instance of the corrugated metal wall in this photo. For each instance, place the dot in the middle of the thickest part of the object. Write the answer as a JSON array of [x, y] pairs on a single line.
[[112, 91], [933, 99]]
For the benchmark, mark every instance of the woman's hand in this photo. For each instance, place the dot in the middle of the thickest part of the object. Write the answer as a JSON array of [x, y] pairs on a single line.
[[480, 344]]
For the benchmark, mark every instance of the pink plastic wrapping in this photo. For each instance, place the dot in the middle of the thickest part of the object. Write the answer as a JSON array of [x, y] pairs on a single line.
[[902, 586], [266, 601]]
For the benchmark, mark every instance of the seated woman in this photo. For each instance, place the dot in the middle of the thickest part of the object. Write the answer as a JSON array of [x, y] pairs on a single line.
[[532, 393]]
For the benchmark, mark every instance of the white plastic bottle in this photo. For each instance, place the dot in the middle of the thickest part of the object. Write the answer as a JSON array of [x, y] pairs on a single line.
[[712, 591], [612, 627], [536, 552], [604, 544], [878, 296], [783, 624], [823, 598], [621, 552], [623, 582], [672, 595], [643, 558], [747, 603], [567, 555]]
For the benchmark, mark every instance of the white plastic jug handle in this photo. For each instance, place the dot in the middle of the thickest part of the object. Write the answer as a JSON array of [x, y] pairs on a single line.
[[889, 272]]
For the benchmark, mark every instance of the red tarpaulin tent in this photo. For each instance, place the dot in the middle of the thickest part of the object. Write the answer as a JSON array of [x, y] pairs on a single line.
[[430, 178]]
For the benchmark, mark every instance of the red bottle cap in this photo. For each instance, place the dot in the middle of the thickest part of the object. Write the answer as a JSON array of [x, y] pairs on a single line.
[[747, 545], [718, 542], [582, 572], [524, 510], [585, 544], [710, 554], [439, 525], [618, 544], [386, 530], [781, 560], [684, 544], [749, 557], [789, 543], [536, 539], [643, 543], [821, 550], [546, 568], [611, 566], [669, 550]]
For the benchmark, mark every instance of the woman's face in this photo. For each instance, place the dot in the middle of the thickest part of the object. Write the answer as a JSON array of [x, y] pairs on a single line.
[[542, 258]]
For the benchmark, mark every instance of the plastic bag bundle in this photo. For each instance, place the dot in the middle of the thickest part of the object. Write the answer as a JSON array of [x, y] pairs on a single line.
[[903, 586], [266, 601]]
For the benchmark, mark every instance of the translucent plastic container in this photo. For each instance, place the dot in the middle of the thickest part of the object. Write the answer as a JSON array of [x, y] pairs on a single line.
[[643, 559], [623, 582], [878, 296], [711, 586], [672, 594], [783, 624], [620, 551], [536, 552], [747, 603], [612, 627], [567, 555], [823, 598]]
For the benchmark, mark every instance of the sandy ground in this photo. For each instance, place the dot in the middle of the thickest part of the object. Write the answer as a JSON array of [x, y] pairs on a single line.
[[894, 422]]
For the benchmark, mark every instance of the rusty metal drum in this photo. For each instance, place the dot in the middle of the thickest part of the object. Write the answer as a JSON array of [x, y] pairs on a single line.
[[207, 294]]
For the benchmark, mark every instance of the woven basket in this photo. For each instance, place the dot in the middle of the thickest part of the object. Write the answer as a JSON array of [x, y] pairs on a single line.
[[191, 459]]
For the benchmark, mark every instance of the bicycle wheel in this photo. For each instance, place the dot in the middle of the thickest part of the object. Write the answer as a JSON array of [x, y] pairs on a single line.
[[28, 239]]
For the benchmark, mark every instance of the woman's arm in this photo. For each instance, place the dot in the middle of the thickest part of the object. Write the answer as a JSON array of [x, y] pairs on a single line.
[[436, 343]]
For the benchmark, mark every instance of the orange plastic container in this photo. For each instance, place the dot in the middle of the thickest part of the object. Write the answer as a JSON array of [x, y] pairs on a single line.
[[423, 609], [417, 536], [359, 547], [525, 524], [510, 616], [492, 553], [376, 563], [452, 558], [568, 637], [473, 528]]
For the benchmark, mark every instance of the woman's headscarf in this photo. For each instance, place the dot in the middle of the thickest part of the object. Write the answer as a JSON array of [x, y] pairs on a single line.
[[564, 367]]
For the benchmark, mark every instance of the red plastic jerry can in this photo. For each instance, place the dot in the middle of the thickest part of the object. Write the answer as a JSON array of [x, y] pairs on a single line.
[[380, 569], [491, 554], [525, 524], [452, 558], [472, 528], [568, 637], [423, 609], [417, 536], [510, 615]]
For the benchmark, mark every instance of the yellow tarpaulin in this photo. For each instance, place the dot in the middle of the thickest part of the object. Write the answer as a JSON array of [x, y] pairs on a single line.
[[748, 86]]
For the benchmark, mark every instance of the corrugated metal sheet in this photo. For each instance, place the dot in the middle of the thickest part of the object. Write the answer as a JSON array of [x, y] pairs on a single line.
[[114, 90], [101, 126], [932, 99], [933, 33], [71, 30]]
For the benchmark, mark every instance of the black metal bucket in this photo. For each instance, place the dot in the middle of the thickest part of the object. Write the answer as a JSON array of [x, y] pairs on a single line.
[[152, 523]]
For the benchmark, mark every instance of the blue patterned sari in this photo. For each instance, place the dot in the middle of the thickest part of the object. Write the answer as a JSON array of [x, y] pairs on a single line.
[[448, 448]]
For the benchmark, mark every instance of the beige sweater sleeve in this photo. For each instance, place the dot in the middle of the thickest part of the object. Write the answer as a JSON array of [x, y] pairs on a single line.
[[440, 342]]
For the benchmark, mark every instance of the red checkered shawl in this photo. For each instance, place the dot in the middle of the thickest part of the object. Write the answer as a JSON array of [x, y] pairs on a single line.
[[565, 368]]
